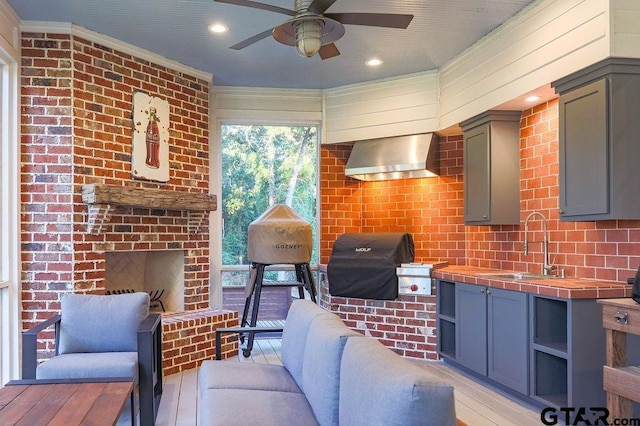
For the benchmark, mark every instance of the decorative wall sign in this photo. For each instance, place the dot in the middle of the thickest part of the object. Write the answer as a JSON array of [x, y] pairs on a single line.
[[150, 150]]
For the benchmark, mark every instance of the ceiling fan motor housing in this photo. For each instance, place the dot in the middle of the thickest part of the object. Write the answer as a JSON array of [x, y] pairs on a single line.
[[302, 6]]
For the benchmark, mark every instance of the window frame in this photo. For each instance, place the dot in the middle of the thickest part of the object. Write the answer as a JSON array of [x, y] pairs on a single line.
[[10, 297], [216, 225]]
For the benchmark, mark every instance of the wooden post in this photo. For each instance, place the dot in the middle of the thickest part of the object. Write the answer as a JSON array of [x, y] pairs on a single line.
[[621, 382]]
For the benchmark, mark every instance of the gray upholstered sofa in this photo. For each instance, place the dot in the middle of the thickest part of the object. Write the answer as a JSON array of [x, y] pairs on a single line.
[[330, 375]]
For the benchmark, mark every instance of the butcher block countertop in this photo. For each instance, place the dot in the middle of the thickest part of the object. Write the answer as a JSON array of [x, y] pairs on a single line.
[[566, 288]]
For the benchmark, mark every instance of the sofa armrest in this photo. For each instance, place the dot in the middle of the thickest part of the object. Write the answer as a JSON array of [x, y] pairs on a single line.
[[240, 330], [150, 367], [30, 345]]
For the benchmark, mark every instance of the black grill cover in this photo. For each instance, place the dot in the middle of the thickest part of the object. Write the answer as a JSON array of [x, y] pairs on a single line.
[[364, 265]]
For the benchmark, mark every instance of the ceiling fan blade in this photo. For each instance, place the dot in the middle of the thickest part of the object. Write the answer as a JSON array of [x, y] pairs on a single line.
[[252, 40], [328, 51], [320, 6], [256, 5], [389, 20]]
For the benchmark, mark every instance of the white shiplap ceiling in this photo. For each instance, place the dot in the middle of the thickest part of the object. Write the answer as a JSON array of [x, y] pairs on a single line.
[[177, 30]]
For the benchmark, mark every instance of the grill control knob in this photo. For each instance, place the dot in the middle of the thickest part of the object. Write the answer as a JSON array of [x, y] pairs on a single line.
[[414, 287]]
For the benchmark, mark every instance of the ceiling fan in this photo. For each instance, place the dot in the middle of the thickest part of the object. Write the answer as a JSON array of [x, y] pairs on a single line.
[[311, 30]]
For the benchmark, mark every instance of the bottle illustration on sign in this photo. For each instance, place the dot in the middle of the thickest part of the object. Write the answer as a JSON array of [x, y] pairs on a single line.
[[153, 140]]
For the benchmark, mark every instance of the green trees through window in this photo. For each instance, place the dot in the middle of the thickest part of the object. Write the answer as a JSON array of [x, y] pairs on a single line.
[[263, 166]]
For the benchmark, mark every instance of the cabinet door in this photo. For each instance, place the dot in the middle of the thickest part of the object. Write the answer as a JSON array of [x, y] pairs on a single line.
[[507, 343], [584, 151], [477, 194], [471, 327]]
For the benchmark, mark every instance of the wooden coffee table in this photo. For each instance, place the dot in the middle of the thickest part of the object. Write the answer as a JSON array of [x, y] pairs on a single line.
[[65, 402]]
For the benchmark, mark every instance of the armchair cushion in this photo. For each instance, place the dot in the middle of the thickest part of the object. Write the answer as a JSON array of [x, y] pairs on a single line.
[[94, 323], [90, 366]]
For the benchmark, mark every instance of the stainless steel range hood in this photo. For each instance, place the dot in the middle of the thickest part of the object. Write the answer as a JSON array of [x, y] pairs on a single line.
[[400, 157]]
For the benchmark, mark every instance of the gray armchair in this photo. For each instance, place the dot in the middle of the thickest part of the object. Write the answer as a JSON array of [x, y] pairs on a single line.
[[100, 337]]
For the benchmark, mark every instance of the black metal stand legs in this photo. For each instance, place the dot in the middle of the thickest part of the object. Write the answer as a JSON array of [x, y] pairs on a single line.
[[304, 281]]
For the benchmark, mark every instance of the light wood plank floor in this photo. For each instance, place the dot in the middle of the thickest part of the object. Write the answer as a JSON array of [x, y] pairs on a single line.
[[476, 403]]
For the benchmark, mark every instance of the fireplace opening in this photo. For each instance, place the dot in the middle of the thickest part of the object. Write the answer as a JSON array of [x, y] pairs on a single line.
[[159, 273]]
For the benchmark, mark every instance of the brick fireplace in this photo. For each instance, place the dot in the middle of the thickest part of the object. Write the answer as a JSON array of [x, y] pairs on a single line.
[[79, 200], [159, 273]]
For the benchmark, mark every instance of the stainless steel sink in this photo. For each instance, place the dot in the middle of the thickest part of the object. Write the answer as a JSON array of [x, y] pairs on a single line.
[[520, 276]]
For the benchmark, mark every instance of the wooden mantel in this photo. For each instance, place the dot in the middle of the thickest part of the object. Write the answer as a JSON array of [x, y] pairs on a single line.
[[102, 198]]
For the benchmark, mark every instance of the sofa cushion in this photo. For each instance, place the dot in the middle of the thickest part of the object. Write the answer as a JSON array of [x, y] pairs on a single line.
[[294, 335], [94, 323], [89, 366], [378, 387], [241, 407], [321, 374], [245, 375]]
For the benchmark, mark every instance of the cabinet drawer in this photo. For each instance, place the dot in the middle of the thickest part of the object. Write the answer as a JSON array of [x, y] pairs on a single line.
[[620, 319]]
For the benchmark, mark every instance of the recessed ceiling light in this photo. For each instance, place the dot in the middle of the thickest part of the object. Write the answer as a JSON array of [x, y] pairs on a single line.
[[532, 98], [374, 62], [218, 28]]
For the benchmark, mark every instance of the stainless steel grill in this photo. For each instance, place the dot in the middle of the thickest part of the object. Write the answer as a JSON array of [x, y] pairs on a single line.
[[417, 278]]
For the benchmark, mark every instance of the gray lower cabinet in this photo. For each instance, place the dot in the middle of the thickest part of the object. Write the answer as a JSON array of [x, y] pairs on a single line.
[[508, 340], [492, 337], [550, 351], [567, 352]]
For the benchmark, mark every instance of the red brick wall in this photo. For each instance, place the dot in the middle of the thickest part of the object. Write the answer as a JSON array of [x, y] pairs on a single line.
[[189, 338], [429, 208], [606, 250], [432, 210], [76, 100]]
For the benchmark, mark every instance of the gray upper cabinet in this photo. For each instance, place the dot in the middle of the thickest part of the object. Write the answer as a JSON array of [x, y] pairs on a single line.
[[492, 168], [599, 152]]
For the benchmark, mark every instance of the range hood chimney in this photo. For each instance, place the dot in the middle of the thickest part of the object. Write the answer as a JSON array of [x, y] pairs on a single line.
[[400, 157]]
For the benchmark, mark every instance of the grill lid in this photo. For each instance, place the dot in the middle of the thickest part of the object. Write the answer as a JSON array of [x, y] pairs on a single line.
[[364, 265]]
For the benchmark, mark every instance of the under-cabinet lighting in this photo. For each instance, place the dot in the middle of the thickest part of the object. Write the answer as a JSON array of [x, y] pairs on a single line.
[[374, 62], [532, 98]]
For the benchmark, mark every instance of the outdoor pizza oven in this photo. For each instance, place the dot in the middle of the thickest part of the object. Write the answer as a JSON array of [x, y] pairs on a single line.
[[363, 265], [280, 236]]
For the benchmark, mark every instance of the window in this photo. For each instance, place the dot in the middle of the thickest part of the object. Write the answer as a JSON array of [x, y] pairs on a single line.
[[262, 166]]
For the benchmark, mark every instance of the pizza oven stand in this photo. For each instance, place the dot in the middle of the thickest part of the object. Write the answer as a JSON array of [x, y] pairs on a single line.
[[304, 281]]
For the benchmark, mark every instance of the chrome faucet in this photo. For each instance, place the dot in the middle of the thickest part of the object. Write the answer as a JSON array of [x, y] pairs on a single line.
[[547, 267]]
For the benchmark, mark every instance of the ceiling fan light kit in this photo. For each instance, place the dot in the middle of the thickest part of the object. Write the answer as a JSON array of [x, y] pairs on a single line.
[[312, 31], [308, 33], [308, 37]]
